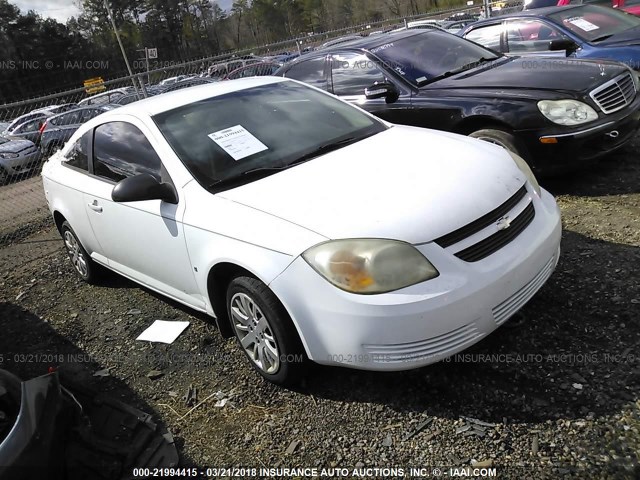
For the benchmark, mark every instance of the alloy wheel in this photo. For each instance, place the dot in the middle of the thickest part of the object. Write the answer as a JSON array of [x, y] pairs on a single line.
[[75, 253], [254, 332]]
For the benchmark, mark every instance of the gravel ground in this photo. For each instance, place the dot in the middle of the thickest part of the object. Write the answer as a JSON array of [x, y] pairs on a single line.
[[552, 394]]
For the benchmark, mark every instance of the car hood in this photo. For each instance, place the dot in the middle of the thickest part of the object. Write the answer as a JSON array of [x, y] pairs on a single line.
[[405, 183], [536, 73], [15, 146]]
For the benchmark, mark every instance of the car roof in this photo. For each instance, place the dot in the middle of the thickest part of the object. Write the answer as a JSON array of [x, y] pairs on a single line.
[[536, 12], [367, 43], [170, 100]]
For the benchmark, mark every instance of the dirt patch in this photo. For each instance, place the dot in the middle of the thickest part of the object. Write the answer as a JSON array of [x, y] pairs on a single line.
[[553, 393]]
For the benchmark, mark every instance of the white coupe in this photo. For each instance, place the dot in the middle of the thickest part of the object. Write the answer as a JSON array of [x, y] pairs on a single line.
[[307, 227]]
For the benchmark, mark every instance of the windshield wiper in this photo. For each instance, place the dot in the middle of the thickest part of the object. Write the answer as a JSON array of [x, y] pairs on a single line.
[[455, 71], [603, 37], [259, 172], [326, 148]]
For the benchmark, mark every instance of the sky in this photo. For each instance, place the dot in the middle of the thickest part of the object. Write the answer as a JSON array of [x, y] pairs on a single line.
[[62, 10]]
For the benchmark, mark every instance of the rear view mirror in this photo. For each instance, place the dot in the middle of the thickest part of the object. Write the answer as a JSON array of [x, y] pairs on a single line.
[[385, 90], [562, 44], [143, 187]]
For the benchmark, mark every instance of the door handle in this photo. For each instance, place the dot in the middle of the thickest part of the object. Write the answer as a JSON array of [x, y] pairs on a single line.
[[95, 207]]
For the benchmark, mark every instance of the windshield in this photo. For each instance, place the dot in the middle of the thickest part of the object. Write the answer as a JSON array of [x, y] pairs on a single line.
[[261, 128], [593, 23], [430, 54]]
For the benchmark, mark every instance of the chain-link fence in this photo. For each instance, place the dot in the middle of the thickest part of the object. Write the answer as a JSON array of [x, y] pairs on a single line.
[[32, 129]]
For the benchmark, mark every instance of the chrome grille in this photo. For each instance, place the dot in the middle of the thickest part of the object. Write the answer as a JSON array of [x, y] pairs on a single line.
[[615, 94]]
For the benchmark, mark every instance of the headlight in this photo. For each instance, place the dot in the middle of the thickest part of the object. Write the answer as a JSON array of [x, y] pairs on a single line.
[[370, 265], [524, 167], [9, 155], [567, 112]]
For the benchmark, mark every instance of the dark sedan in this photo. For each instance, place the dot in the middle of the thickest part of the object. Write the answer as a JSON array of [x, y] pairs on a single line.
[[576, 31], [558, 119], [58, 129]]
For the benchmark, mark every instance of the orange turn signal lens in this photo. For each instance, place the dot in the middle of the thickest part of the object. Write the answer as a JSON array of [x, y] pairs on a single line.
[[548, 140]]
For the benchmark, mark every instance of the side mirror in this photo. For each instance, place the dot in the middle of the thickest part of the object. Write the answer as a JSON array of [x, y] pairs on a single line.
[[562, 44], [385, 90], [143, 187]]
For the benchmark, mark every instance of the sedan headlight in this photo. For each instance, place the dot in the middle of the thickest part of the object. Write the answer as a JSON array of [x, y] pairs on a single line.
[[524, 168], [370, 265], [567, 112], [9, 155]]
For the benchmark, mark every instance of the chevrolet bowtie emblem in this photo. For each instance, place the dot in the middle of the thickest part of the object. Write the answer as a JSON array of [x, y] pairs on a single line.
[[503, 223]]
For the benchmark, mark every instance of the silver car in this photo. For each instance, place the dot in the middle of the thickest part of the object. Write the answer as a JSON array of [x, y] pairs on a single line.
[[16, 157]]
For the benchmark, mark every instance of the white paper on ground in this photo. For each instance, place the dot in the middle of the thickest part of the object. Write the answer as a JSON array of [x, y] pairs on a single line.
[[163, 331], [237, 142]]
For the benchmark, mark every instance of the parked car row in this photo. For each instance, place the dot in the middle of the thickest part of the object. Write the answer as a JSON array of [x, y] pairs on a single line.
[[557, 118]]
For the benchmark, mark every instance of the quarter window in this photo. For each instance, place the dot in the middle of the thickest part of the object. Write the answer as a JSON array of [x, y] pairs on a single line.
[[353, 72], [121, 150], [78, 155]]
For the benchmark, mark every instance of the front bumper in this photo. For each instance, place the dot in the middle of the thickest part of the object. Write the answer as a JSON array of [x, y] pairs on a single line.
[[582, 145], [428, 322], [15, 166]]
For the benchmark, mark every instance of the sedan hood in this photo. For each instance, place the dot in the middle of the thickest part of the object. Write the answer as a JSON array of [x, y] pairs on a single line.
[[405, 183], [536, 73], [15, 146]]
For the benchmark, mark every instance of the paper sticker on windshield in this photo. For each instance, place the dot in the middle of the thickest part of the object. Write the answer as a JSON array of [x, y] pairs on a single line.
[[237, 142], [583, 24]]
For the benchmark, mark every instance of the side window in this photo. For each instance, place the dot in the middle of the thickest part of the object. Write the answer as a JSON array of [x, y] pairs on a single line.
[[351, 73], [530, 36], [310, 72], [78, 155], [69, 118], [488, 36], [31, 126], [121, 150]]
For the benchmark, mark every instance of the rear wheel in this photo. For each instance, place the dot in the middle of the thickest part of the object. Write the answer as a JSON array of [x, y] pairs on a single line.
[[265, 331], [498, 137], [86, 268]]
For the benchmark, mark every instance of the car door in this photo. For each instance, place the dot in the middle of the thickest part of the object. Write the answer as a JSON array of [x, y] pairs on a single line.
[[142, 240], [532, 37], [353, 72], [76, 185]]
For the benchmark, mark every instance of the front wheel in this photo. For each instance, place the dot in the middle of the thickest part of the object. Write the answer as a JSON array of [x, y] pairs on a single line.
[[498, 137], [84, 266], [265, 331]]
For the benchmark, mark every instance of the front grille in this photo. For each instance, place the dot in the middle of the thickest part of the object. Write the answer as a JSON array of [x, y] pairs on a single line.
[[474, 227], [494, 242], [615, 94]]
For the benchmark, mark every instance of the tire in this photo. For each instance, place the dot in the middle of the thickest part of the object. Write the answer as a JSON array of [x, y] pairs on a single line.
[[84, 267], [254, 310], [498, 137]]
